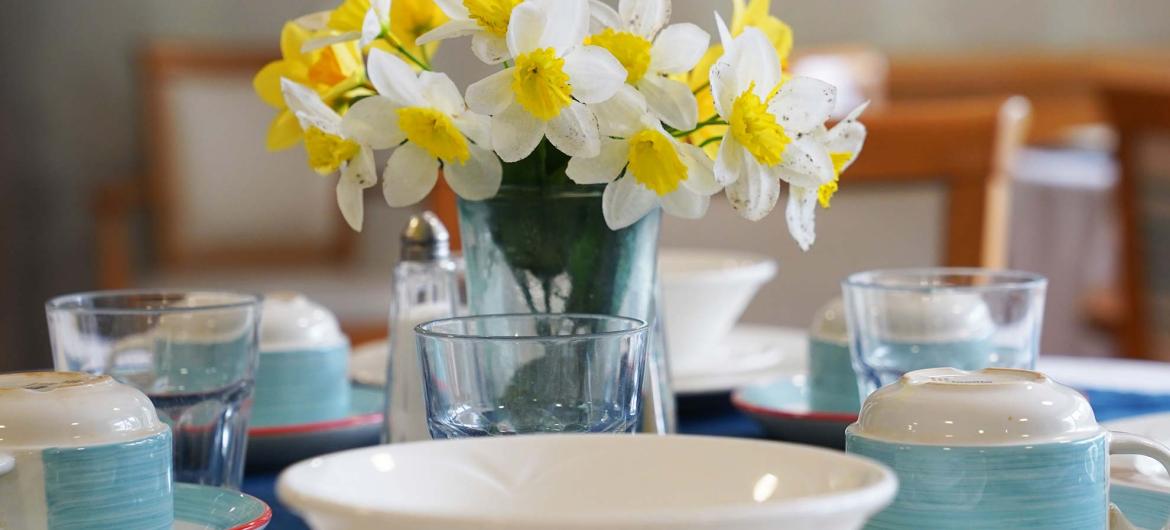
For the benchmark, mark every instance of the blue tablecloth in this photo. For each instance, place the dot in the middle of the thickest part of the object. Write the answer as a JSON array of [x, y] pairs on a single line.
[[714, 415]]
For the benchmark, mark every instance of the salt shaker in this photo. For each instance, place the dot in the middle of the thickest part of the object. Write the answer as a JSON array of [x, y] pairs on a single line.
[[426, 287]]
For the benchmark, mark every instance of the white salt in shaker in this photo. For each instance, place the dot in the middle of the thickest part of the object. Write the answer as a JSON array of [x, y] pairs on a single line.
[[426, 287]]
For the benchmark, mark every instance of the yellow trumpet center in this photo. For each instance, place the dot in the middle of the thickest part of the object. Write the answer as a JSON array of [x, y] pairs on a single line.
[[326, 69], [631, 50], [655, 163], [327, 152], [756, 128], [434, 131], [826, 191], [491, 15], [541, 84]]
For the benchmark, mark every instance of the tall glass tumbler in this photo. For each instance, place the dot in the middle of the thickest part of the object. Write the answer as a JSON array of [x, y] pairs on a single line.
[[532, 373], [902, 320], [194, 353]]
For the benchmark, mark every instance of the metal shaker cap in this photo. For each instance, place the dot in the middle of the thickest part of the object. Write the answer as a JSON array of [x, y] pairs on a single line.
[[425, 238]]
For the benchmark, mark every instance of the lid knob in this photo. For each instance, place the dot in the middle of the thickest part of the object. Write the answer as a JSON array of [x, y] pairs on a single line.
[[425, 238]]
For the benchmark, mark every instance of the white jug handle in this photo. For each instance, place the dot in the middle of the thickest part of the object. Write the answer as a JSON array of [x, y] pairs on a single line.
[[7, 463], [1123, 443]]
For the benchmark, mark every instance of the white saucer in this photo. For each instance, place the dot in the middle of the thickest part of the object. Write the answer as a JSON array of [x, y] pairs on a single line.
[[367, 363], [755, 354]]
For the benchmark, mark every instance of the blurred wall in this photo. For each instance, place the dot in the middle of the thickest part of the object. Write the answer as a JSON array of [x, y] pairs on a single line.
[[69, 111]]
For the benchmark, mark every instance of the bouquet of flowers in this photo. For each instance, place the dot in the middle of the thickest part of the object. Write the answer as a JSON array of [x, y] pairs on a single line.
[[585, 93]]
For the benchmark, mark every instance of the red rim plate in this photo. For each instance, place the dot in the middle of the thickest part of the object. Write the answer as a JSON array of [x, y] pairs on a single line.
[[751, 408], [257, 523], [321, 426]]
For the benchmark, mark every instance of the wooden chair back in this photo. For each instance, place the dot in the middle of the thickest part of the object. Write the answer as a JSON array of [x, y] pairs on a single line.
[[215, 197], [1140, 110]]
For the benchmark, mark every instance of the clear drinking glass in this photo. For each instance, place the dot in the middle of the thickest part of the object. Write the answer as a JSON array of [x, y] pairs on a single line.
[[532, 373], [194, 353], [902, 320]]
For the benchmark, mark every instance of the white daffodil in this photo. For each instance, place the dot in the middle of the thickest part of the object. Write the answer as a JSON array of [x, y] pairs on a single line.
[[424, 115], [768, 138], [643, 166], [635, 35], [843, 142], [331, 149], [486, 21], [546, 91], [375, 23]]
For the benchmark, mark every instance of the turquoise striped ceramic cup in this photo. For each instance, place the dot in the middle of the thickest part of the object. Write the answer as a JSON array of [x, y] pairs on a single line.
[[303, 376], [992, 449], [81, 451], [831, 380]]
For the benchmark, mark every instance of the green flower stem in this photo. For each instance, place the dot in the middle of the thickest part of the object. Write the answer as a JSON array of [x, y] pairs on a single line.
[[713, 120], [701, 88], [710, 140]]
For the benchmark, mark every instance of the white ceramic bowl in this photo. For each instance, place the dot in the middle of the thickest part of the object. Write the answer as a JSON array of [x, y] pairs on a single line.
[[704, 293], [577, 482]]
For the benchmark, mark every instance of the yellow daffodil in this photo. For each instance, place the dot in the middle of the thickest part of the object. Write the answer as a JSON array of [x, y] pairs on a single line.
[[329, 71], [843, 143], [770, 125], [637, 35], [331, 149], [553, 80], [756, 14], [485, 21], [643, 166], [424, 118], [383, 24]]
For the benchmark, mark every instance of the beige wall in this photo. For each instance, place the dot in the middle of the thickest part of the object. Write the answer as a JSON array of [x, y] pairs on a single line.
[[69, 110]]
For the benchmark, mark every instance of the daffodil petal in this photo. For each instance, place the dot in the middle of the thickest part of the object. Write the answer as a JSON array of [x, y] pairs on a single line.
[[350, 200], [729, 164], [267, 83], [567, 24], [808, 159], [603, 16], [454, 9], [371, 26], [328, 40], [678, 48], [492, 94], [803, 104], [451, 29], [620, 115], [574, 131], [410, 175], [685, 204], [725, 39], [671, 101], [594, 74], [624, 202], [361, 169], [847, 136], [393, 78], [373, 122], [801, 215], [525, 28], [644, 17], [754, 193], [516, 133], [309, 109], [602, 168], [490, 49], [700, 170], [476, 179], [441, 92], [758, 62], [284, 131], [475, 126]]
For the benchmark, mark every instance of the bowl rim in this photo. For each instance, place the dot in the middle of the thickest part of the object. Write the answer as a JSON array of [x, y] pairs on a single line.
[[867, 499], [755, 267]]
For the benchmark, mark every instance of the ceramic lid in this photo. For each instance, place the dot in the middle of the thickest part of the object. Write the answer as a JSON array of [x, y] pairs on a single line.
[[213, 317], [994, 406], [829, 324], [934, 316], [291, 321], [68, 409]]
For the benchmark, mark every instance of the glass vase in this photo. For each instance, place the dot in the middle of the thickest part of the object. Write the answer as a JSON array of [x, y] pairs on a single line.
[[547, 249]]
